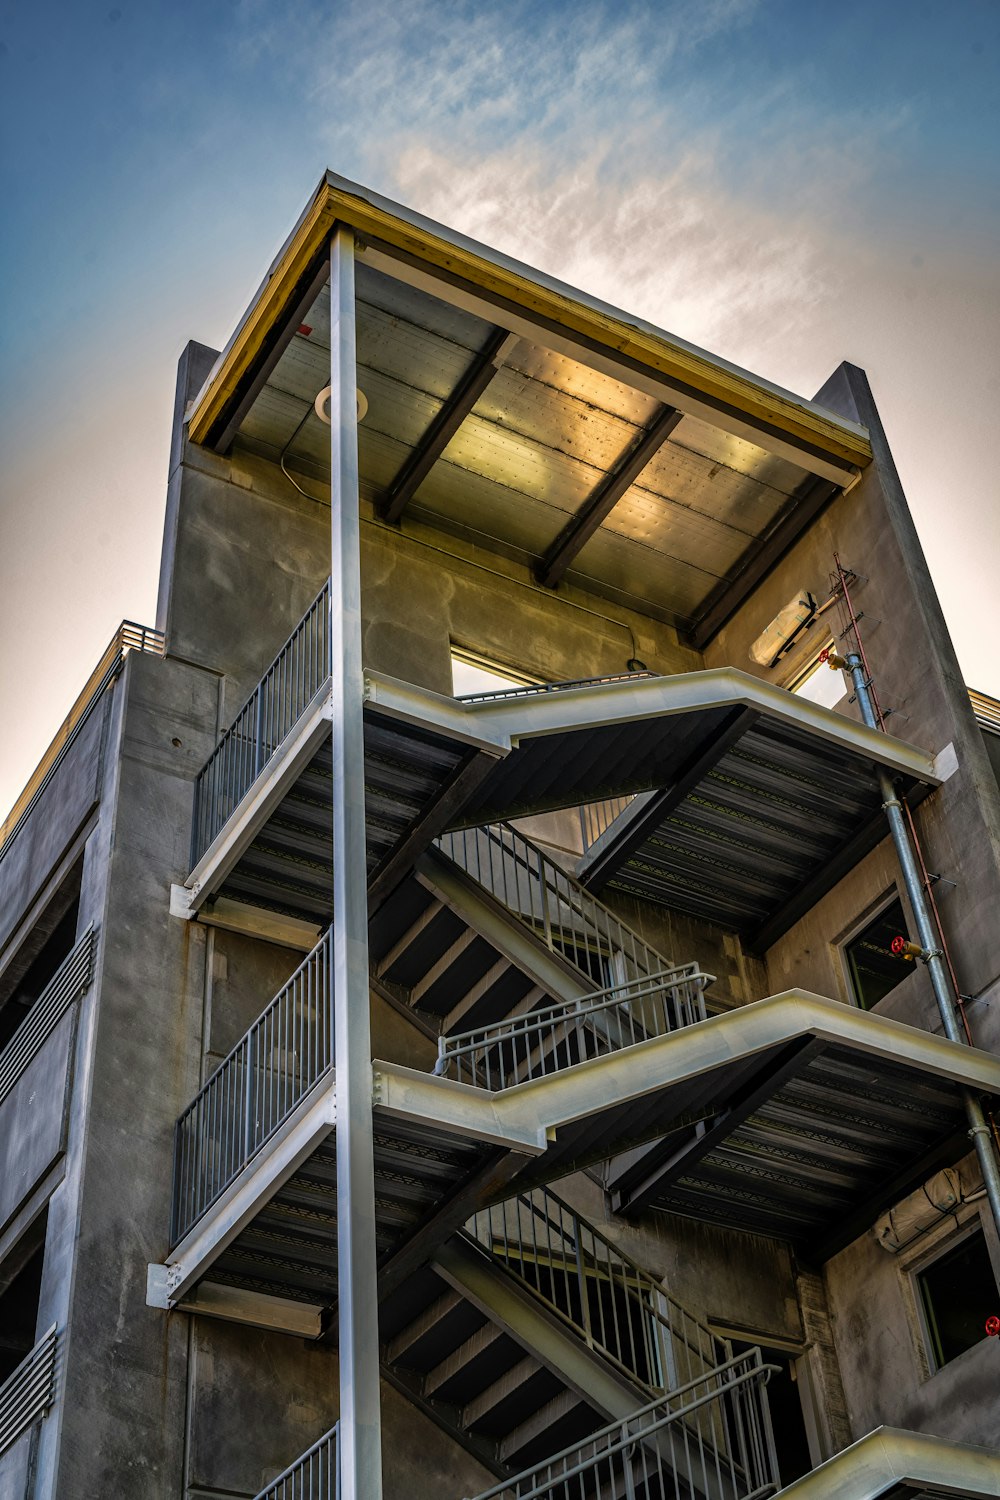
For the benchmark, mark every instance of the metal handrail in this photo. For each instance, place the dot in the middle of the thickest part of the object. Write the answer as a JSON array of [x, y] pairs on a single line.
[[644, 1453], [597, 817], [273, 709], [314, 1476], [286, 1051], [128, 637], [27, 1392], [613, 1305], [567, 918], [531, 689], [68, 982], [556, 1037]]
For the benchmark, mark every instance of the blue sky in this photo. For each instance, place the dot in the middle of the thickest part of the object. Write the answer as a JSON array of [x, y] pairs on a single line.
[[788, 184]]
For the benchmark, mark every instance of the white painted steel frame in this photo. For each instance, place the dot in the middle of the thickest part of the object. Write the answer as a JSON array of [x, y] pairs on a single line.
[[890, 1456], [524, 716], [360, 1449]]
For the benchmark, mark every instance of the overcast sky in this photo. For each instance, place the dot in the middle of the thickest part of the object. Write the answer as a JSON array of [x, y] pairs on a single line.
[[785, 182]]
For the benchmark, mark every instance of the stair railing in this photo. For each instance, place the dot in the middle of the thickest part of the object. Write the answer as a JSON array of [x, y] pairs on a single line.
[[277, 702], [567, 918], [314, 1476], [612, 1304], [533, 689], [556, 1037], [272, 1067], [662, 1449]]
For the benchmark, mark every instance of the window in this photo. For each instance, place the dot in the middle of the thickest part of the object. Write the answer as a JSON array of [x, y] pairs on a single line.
[[477, 674], [872, 967], [51, 940], [20, 1293], [819, 683], [958, 1292]]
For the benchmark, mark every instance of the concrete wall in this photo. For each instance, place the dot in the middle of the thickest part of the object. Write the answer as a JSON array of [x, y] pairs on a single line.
[[54, 822], [916, 675], [34, 1119], [886, 1371]]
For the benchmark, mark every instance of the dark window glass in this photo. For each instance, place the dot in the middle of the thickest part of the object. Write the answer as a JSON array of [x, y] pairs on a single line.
[[20, 1290], [873, 967], [959, 1293]]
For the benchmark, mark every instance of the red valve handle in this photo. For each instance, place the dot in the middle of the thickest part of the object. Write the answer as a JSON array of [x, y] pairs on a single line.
[[897, 945], [993, 1326]]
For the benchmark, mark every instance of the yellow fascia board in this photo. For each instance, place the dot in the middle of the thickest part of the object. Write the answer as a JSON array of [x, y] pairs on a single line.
[[539, 297]]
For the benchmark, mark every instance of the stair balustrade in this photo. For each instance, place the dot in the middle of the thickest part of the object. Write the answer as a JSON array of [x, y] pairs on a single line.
[[286, 1051], [665, 1451], [314, 1476], [568, 919], [610, 1302], [555, 1037], [270, 713]]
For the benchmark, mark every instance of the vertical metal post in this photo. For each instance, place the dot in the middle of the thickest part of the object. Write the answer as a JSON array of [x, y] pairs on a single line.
[[360, 1425], [933, 957]]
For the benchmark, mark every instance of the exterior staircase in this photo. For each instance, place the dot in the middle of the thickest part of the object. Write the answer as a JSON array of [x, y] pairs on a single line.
[[445, 947], [530, 1329]]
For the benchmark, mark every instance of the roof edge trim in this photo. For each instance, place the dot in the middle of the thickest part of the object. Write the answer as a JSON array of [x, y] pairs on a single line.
[[541, 297]]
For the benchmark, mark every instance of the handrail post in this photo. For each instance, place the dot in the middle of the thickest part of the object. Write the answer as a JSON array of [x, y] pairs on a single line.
[[360, 1417]]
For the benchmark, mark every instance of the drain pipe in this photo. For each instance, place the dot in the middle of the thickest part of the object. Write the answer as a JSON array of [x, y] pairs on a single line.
[[931, 953]]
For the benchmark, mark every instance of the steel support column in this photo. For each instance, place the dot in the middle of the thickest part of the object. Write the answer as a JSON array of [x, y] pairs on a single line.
[[933, 957], [360, 1452]]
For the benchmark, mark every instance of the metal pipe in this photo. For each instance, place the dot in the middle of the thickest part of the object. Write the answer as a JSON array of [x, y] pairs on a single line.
[[933, 956]]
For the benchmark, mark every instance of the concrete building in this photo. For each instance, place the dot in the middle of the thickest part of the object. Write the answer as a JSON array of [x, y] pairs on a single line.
[[447, 967]]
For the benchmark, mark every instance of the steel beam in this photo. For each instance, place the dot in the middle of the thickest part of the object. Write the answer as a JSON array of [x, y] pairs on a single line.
[[599, 505], [592, 707], [447, 422], [763, 1086], [758, 560], [279, 336], [599, 864], [360, 1445], [889, 1458]]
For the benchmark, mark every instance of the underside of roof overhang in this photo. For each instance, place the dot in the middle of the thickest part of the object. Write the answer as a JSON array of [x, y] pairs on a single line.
[[520, 414]]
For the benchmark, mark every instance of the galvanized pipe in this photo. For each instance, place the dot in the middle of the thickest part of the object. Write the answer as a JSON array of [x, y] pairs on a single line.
[[933, 957]]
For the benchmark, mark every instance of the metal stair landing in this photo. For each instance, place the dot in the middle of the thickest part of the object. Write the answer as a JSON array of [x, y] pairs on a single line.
[[289, 1249], [810, 1147]]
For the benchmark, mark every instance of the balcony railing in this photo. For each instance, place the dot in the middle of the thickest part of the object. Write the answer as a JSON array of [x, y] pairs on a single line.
[[611, 1303], [314, 1476], [560, 1036], [274, 707], [27, 1392], [665, 1448], [128, 637], [532, 689], [286, 1051], [67, 983], [567, 918]]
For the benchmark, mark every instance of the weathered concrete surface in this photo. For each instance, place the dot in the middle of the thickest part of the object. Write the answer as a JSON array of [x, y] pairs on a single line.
[[886, 1375], [33, 1119], [15, 1469], [54, 821], [259, 1400], [742, 1281], [917, 675], [122, 1429]]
